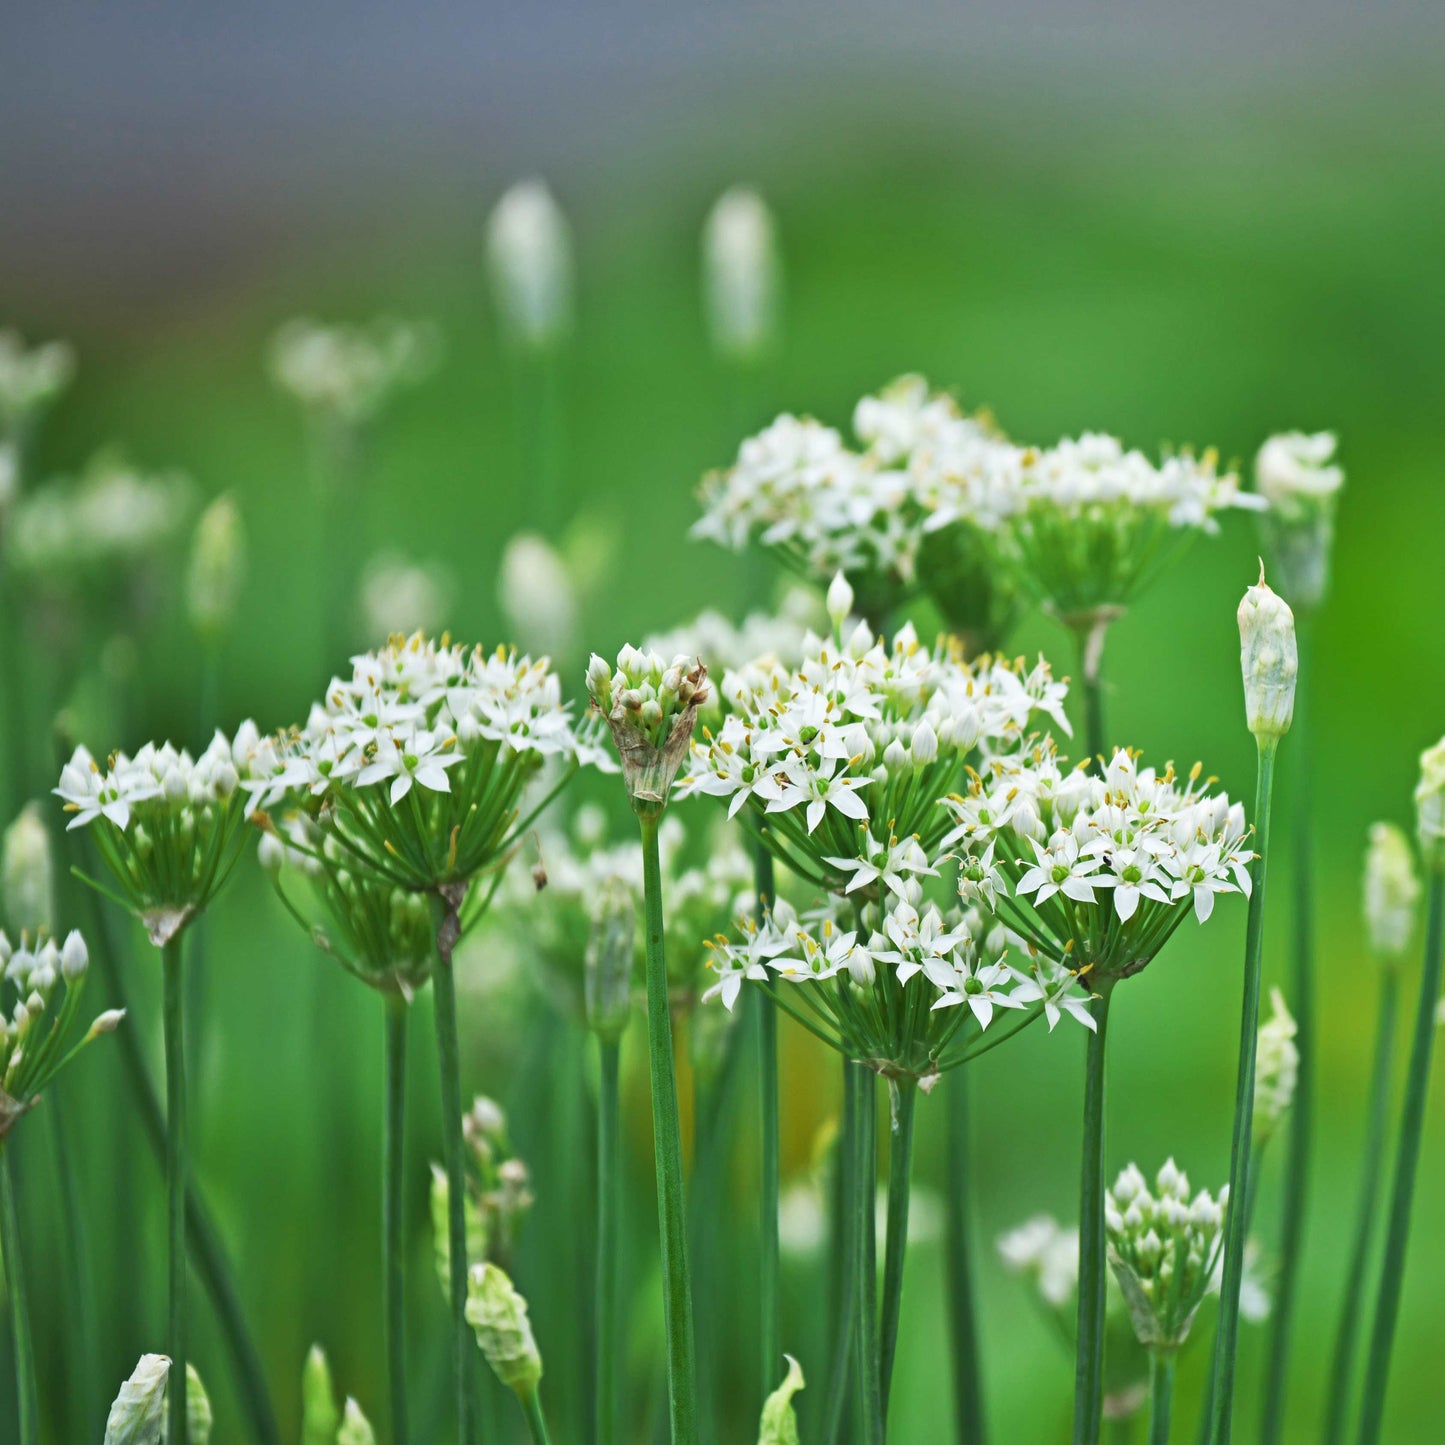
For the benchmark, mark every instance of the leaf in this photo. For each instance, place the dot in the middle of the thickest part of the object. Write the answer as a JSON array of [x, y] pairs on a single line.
[[138, 1415], [780, 1424], [319, 1418], [355, 1428]]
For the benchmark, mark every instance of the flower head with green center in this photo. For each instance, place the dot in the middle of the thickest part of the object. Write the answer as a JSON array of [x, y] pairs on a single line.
[[1276, 1070], [1165, 1249], [40, 987], [417, 766], [348, 374], [840, 764], [1297, 475], [170, 827], [651, 707], [1095, 523], [1392, 892], [30, 380], [1095, 871]]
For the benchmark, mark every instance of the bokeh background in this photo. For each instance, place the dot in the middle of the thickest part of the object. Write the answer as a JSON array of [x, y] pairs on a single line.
[[1179, 224]]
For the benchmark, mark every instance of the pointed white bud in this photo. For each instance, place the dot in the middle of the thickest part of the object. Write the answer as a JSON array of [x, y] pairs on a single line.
[[27, 875], [1392, 891], [1430, 807], [840, 599], [1269, 660], [529, 254], [740, 265], [217, 569], [74, 957]]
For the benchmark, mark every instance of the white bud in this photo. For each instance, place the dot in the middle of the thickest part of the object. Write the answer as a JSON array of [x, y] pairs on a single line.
[[1430, 807], [535, 591], [740, 266], [498, 1314], [895, 756], [108, 1022], [74, 957], [529, 253], [840, 599], [1392, 891], [271, 853], [217, 569], [27, 875], [1269, 661], [925, 745]]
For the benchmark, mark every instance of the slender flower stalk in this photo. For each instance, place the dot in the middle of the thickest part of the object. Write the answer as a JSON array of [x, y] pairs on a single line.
[[1089, 1335], [845, 1257], [1269, 663], [968, 1404], [769, 1274], [904, 1098], [1161, 1395], [393, 1223], [867, 1345], [1391, 898], [1430, 813], [27, 1402], [178, 1315]]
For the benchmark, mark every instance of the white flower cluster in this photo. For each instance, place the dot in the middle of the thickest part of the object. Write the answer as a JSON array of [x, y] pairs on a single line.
[[1042, 1250], [39, 999], [1297, 470], [1392, 891], [351, 372], [111, 515], [726, 646], [860, 738], [30, 378], [1276, 1069], [1096, 870], [1165, 1249]]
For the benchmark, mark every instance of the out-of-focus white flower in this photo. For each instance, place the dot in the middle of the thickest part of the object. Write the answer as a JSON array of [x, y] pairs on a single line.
[[802, 1221], [1299, 478], [30, 379], [1430, 807], [925, 1216], [402, 597], [536, 596], [218, 568], [1295, 468], [1276, 1069], [741, 275], [27, 873], [1043, 1250], [1269, 660], [1392, 891], [350, 373], [529, 255], [760, 639]]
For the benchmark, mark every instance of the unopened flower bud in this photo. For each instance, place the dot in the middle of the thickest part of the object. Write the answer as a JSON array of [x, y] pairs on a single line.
[[355, 1427], [1392, 891], [740, 266], [1430, 807], [611, 945], [529, 254], [1276, 1070], [217, 569], [271, 853], [139, 1410], [27, 875], [925, 745], [840, 599], [74, 956], [535, 590], [498, 1314], [780, 1423], [319, 1417], [1269, 659], [107, 1023]]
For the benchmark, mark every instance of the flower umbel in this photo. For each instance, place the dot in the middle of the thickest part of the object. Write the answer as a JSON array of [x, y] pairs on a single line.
[[1297, 475]]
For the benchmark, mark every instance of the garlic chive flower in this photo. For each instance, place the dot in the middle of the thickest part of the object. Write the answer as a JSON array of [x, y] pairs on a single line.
[[529, 257], [1276, 1070], [741, 275], [651, 707], [1392, 892], [1094, 523], [1297, 475], [27, 874], [1269, 659], [840, 765], [417, 765], [1165, 1248], [498, 1314], [348, 374], [30, 380], [1430, 807], [1095, 871], [170, 827], [40, 988], [217, 569]]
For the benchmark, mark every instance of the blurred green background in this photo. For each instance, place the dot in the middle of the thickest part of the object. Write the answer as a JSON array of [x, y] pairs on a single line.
[[1176, 254]]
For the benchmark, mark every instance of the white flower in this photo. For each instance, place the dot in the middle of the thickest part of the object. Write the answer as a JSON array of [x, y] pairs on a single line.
[[740, 274], [529, 254], [1295, 466], [536, 595], [351, 372], [401, 597], [1043, 1250]]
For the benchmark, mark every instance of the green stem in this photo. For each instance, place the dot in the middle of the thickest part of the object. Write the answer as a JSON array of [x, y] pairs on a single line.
[[962, 1316], [667, 1142], [1377, 1129], [846, 1257], [771, 1336], [393, 1171], [1301, 1121], [1407, 1160], [449, 1069], [536, 1421], [1089, 1360], [77, 1273], [174, 1022], [609, 1218], [865, 1245], [25, 1386], [1227, 1340], [900, 1179], [1161, 1395], [1091, 666]]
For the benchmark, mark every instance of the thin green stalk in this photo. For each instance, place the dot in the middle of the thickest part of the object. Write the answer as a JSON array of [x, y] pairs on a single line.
[[393, 1173], [536, 1421], [1089, 1362], [900, 1181], [962, 1315], [1091, 665], [1407, 1160], [667, 1143], [1376, 1131], [1161, 1395], [174, 1023], [1301, 1119], [449, 1068], [609, 1219], [865, 1281], [771, 1332], [77, 1276], [845, 1253], [25, 1386], [1240, 1186]]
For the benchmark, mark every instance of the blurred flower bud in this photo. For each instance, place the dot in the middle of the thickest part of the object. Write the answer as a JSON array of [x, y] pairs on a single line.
[[499, 1316], [218, 568], [401, 596], [1276, 1070], [1430, 807], [320, 1419], [1392, 891], [1296, 475], [107, 1022], [27, 873], [74, 956], [9, 475], [30, 379], [198, 1409], [741, 275], [1269, 659], [529, 253], [441, 1235], [355, 1427], [708, 1031], [611, 946], [138, 1414], [535, 593], [840, 599], [780, 1423]]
